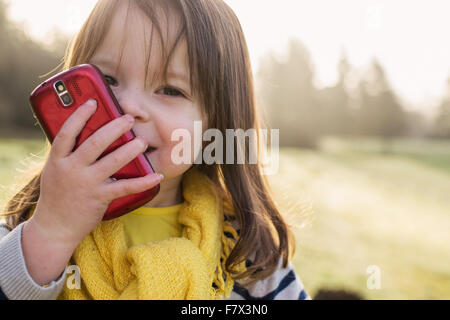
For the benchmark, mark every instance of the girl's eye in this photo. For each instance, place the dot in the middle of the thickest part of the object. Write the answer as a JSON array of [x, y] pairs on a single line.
[[110, 80], [172, 92], [166, 90]]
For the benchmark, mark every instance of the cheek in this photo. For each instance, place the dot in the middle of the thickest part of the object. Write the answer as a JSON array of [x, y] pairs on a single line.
[[163, 156]]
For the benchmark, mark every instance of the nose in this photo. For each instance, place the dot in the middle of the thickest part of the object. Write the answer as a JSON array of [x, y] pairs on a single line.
[[133, 103]]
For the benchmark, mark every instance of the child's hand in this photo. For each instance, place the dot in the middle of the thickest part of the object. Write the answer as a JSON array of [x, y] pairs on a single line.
[[75, 190]]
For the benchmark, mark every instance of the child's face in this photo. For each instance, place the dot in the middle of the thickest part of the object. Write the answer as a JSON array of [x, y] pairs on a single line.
[[161, 108]]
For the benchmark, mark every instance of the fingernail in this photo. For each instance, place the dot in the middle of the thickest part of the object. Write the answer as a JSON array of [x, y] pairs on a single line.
[[156, 176], [92, 102], [143, 141], [129, 118]]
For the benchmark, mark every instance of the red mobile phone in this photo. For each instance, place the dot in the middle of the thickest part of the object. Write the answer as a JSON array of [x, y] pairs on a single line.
[[54, 100]]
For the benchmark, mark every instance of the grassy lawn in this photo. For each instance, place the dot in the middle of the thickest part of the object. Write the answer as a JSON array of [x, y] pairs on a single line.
[[354, 207], [15, 157], [365, 208]]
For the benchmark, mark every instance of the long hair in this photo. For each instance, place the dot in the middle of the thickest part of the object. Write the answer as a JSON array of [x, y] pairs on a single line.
[[221, 76]]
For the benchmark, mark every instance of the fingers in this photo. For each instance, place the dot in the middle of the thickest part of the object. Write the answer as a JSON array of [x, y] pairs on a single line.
[[120, 157], [65, 140], [124, 187], [91, 149]]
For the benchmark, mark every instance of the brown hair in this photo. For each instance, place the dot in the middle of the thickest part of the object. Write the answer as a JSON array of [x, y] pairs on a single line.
[[221, 77]]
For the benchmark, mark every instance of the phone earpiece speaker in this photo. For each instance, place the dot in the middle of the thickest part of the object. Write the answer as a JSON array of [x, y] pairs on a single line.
[[75, 87]]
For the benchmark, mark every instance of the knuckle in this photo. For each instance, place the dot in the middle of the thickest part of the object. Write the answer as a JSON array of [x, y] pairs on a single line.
[[60, 168], [96, 143], [116, 158], [56, 163], [62, 135], [127, 188], [53, 150], [99, 195]]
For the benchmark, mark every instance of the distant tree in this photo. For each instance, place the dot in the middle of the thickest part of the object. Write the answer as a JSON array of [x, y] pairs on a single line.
[[418, 124], [23, 63], [441, 127], [380, 113], [336, 115], [3, 8], [289, 96], [5, 103]]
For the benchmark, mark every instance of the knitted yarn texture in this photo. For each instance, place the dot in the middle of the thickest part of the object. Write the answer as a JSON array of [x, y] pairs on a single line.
[[179, 268]]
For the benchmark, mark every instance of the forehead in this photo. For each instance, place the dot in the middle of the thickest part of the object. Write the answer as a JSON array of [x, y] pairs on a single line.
[[133, 41]]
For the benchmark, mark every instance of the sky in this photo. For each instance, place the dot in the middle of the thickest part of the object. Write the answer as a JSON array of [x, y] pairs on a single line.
[[407, 37]]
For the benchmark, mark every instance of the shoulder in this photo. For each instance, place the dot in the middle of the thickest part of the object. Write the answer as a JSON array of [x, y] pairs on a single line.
[[4, 229], [282, 284]]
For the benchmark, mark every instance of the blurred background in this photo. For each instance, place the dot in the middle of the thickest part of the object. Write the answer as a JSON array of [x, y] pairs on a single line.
[[360, 90]]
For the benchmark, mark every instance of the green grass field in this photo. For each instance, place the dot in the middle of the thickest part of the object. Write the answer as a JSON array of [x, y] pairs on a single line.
[[354, 207], [391, 211], [16, 155]]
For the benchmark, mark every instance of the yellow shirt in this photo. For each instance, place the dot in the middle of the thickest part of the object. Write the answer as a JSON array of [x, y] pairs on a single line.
[[149, 224]]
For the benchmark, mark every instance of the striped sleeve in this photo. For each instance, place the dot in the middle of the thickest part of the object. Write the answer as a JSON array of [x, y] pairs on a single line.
[[2, 295], [283, 284], [4, 230]]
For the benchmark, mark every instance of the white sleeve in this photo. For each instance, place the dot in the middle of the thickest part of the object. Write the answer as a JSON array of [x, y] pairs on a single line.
[[15, 281]]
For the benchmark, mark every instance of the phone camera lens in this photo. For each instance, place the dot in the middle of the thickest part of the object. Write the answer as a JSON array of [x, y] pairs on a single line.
[[66, 99]]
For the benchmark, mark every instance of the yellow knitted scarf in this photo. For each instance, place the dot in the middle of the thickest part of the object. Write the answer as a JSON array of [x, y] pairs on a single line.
[[174, 268]]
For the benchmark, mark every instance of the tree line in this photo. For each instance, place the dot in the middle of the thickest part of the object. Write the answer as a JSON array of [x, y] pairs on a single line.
[[356, 105], [23, 63]]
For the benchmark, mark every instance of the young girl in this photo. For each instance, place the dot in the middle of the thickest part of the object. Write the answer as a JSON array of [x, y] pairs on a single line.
[[212, 232]]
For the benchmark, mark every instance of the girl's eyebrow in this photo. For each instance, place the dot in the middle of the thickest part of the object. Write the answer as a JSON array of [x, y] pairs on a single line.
[[180, 76]]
